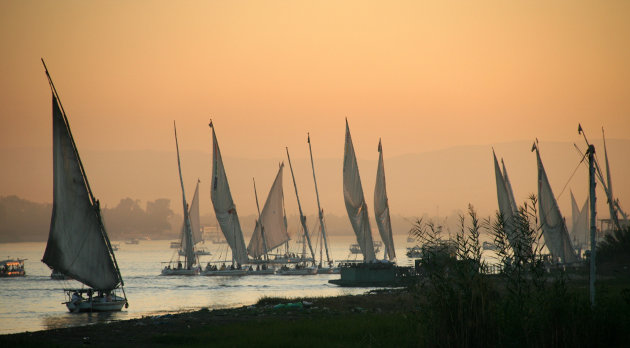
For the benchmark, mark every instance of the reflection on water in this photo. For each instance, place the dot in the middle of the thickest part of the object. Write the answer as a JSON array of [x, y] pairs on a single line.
[[67, 319], [34, 302]]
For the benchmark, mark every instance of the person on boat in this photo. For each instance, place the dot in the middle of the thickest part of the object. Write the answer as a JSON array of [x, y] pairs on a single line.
[[179, 265], [223, 266], [257, 268], [76, 298]]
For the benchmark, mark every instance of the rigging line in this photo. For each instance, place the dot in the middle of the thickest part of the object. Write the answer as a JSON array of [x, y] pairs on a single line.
[[571, 177]]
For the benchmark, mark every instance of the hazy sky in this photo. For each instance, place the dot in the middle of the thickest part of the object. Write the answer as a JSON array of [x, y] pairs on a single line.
[[423, 75]]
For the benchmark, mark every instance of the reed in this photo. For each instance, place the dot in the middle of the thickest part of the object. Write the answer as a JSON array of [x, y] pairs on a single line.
[[527, 304]]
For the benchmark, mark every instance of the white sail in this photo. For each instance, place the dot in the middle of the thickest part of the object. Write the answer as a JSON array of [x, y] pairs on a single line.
[[195, 222], [613, 204], [507, 205], [195, 219], [273, 222], [508, 187], [553, 225], [381, 207], [224, 207], [187, 245], [77, 244], [575, 210], [580, 227], [355, 201]]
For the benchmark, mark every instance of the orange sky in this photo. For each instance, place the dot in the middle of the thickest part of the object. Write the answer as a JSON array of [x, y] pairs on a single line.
[[423, 75]]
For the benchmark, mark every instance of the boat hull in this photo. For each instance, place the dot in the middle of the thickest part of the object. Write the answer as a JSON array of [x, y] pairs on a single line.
[[96, 305], [301, 271], [369, 274], [180, 272], [59, 276], [12, 274], [269, 271], [225, 273], [327, 270]]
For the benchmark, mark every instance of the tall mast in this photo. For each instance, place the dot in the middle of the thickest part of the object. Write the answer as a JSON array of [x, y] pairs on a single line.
[[607, 190], [189, 254], [319, 208], [95, 203], [591, 188], [302, 217], [262, 228]]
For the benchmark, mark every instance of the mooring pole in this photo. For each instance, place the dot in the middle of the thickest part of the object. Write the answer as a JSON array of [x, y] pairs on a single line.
[[591, 184]]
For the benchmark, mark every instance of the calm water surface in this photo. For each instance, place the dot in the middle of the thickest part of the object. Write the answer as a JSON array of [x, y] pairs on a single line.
[[34, 302]]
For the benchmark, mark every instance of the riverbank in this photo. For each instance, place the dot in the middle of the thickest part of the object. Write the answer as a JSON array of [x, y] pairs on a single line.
[[377, 318]]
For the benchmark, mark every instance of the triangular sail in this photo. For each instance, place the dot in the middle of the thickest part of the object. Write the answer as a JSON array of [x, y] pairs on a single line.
[[613, 203], [195, 222], [508, 186], [224, 207], [188, 245], [355, 201], [77, 243], [553, 226], [507, 205], [381, 207], [272, 219], [580, 228], [575, 210], [195, 219]]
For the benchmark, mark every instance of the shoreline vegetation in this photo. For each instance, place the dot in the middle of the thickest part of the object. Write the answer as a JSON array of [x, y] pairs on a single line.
[[389, 317], [456, 300]]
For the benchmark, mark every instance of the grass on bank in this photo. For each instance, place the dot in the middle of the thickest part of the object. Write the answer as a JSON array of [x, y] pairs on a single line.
[[348, 330]]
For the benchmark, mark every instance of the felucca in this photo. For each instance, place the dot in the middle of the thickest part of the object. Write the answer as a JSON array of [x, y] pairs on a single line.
[[270, 231], [552, 223], [78, 245], [322, 225], [190, 264], [225, 211], [370, 272]]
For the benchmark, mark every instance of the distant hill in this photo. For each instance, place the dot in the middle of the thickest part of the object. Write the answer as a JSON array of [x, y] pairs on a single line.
[[433, 183]]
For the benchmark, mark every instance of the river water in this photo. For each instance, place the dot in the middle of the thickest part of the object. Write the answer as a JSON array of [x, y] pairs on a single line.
[[34, 302]]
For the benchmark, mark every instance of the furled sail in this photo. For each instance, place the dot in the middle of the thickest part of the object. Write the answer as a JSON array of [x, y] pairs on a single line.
[[195, 222], [381, 207], [77, 243], [553, 225], [188, 245], [355, 201], [272, 220], [224, 207], [507, 204]]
